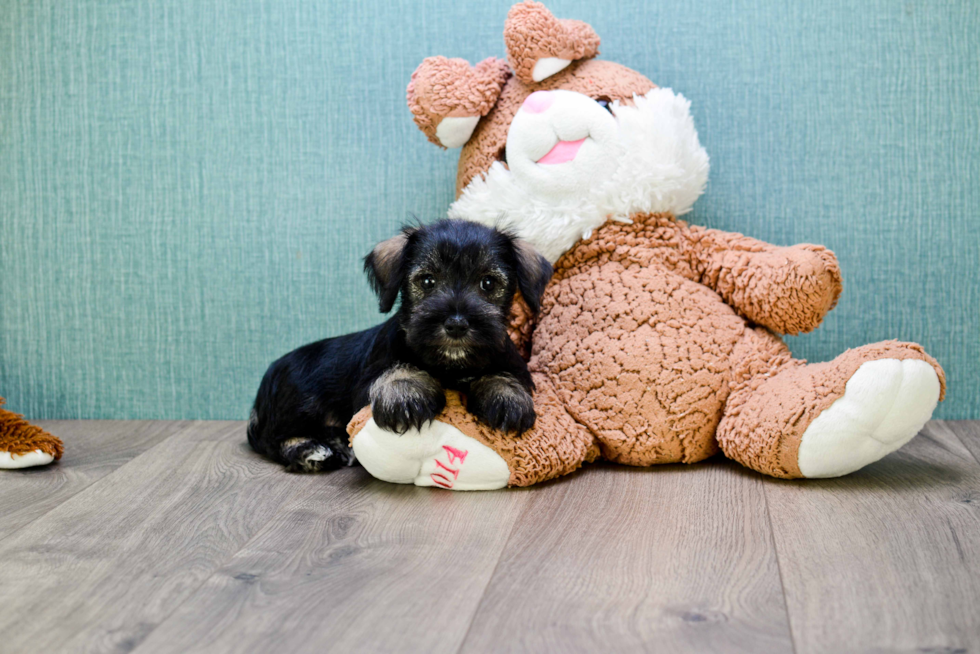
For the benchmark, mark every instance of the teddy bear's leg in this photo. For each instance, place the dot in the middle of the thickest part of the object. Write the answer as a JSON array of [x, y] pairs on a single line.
[[788, 419], [456, 452], [23, 445]]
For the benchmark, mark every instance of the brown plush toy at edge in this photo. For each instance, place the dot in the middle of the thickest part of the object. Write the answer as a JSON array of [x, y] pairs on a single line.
[[17, 436]]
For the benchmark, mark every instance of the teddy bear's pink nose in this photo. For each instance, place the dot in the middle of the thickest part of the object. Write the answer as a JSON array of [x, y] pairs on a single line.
[[538, 101]]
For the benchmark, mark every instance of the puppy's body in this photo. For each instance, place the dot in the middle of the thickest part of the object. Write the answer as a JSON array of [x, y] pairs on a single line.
[[457, 281]]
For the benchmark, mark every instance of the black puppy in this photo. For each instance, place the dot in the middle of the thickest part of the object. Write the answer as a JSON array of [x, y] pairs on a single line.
[[457, 280]]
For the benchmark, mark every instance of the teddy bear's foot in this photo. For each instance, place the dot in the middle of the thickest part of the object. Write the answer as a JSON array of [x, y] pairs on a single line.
[[830, 419], [23, 445], [436, 455], [885, 404], [10, 461]]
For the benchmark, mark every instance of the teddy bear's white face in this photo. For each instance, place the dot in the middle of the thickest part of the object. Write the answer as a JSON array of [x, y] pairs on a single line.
[[573, 164], [561, 142]]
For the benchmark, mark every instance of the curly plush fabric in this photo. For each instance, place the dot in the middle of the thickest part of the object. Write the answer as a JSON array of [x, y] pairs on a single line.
[[638, 343], [450, 88], [17, 436], [532, 33], [789, 290]]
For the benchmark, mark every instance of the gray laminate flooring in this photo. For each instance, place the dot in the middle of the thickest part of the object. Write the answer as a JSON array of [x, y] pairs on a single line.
[[156, 537]]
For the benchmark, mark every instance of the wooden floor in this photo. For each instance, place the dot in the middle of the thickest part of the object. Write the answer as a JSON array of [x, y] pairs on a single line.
[[175, 537]]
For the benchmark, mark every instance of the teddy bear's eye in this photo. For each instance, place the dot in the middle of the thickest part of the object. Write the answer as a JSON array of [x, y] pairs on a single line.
[[605, 104], [502, 155]]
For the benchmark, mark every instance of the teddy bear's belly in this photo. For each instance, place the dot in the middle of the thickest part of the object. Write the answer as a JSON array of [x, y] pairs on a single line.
[[640, 356]]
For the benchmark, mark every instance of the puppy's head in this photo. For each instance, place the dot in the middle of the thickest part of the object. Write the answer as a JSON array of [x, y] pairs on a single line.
[[457, 281]]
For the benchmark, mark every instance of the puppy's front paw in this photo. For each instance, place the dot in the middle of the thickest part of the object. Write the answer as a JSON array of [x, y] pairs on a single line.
[[405, 398], [502, 403]]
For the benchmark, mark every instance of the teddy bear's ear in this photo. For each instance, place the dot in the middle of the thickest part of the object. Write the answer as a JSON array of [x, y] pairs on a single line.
[[539, 45], [448, 96]]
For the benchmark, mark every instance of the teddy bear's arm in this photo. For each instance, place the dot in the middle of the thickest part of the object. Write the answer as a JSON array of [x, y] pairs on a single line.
[[786, 289]]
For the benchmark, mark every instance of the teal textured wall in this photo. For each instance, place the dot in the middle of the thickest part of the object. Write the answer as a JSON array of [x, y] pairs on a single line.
[[187, 187]]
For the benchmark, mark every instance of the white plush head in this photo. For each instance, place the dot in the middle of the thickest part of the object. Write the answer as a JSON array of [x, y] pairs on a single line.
[[573, 162]]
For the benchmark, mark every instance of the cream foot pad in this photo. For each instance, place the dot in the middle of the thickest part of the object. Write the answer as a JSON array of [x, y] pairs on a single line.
[[28, 459], [885, 404], [437, 455]]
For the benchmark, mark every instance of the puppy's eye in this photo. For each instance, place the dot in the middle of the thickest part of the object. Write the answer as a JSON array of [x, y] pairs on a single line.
[[428, 282], [488, 283]]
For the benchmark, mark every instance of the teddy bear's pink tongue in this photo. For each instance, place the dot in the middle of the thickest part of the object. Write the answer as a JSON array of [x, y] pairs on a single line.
[[562, 152]]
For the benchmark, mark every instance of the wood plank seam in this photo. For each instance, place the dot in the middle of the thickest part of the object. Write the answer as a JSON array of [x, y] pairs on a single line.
[[779, 564], [496, 566], [960, 439]]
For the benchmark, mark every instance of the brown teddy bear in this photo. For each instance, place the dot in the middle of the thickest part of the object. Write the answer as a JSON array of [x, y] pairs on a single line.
[[657, 341], [23, 445]]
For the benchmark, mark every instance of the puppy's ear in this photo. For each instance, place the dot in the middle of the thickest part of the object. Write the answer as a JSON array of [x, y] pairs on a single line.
[[385, 268], [533, 273]]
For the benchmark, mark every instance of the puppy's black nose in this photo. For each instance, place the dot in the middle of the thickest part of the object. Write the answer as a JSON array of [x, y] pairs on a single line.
[[456, 326]]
